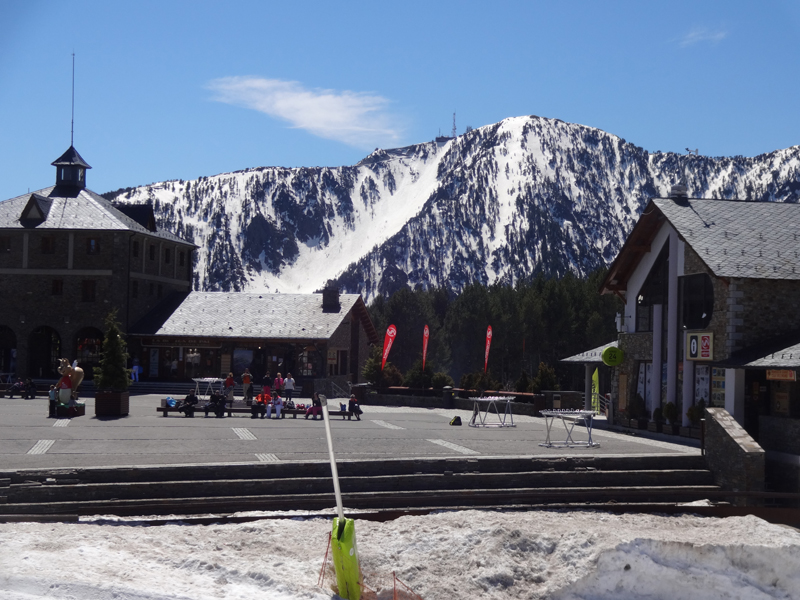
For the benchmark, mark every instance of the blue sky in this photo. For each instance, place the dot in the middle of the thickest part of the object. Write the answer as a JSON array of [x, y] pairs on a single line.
[[177, 90]]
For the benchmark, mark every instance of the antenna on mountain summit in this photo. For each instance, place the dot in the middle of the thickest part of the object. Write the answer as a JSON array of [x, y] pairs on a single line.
[[690, 151], [454, 125], [72, 125]]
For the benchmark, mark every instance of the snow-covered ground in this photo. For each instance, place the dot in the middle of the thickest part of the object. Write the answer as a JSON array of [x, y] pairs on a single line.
[[451, 555]]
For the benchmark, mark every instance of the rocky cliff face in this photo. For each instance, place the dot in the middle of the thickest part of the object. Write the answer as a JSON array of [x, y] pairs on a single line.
[[503, 202]]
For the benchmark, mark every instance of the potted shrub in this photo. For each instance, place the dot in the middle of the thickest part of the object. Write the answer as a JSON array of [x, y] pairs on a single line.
[[111, 378], [658, 419], [670, 413], [695, 413]]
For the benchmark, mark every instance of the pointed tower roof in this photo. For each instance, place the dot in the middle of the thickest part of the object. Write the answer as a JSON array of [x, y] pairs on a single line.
[[70, 158]]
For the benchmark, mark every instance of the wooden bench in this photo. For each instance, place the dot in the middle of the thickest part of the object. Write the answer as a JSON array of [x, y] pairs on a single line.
[[245, 410]]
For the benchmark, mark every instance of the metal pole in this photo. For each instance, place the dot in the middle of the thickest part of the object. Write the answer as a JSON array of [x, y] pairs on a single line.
[[334, 472]]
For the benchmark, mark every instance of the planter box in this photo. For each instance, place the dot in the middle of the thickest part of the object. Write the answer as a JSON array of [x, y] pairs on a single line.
[[673, 429], [655, 426], [111, 404], [69, 412]]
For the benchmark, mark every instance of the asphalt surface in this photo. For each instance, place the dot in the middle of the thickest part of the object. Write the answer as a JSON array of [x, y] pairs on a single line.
[[29, 439]]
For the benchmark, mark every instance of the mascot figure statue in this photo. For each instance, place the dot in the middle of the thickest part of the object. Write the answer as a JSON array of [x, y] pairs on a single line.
[[71, 378]]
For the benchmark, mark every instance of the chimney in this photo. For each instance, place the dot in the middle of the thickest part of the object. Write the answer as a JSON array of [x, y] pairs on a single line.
[[330, 299], [679, 194]]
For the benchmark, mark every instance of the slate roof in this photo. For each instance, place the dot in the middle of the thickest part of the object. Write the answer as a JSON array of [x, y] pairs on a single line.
[[70, 158], [297, 317], [739, 239], [779, 353], [593, 356], [83, 210]]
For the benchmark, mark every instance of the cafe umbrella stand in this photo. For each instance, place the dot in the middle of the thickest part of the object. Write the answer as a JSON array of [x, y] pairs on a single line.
[[343, 536]]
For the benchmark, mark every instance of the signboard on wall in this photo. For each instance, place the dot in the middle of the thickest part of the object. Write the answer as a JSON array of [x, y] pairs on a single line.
[[700, 346], [781, 375]]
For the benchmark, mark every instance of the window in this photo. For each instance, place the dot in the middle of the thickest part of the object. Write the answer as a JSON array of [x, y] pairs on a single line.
[[5, 244], [48, 245], [167, 256], [152, 252], [653, 291], [180, 258], [134, 289], [136, 249], [92, 246], [697, 306], [57, 288], [88, 288]]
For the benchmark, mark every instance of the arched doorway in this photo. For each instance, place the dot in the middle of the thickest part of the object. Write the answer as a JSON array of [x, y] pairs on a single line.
[[8, 350], [44, 350], [89, 344]]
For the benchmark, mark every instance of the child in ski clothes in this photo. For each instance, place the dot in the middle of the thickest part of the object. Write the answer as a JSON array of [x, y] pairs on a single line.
[[354, 408], [277, 404], [288, 387], [316, 406], [53, 401]]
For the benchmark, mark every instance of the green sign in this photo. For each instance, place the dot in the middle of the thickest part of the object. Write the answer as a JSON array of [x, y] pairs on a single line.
[[612, 356]]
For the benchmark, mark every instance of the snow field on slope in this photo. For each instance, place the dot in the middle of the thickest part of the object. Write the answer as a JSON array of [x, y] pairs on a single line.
[[372, 225], [449, 555]]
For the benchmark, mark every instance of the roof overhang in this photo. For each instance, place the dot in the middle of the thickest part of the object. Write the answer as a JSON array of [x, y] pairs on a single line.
[[634, 248]]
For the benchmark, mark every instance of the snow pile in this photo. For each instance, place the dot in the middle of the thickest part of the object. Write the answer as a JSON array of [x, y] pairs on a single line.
[[469, 554]]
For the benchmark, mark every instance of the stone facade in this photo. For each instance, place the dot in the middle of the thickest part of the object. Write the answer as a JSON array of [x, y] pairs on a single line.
[[721, 317], [68, 281], [636, 348], [737, 461]]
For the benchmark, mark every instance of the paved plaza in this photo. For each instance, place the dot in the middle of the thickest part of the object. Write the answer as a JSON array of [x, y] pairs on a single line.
[[29, 439]]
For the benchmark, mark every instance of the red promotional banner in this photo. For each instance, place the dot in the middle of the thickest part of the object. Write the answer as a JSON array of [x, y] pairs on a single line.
[[425, 335], [488, 343], [391, 332]]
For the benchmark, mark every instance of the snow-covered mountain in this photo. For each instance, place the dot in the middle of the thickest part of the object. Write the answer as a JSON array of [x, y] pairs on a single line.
[[499, 203]]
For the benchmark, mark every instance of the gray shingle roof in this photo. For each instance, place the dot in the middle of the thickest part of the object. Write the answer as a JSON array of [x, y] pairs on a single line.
[[253, 315], [740, 239], [786, 358], [84, 211], [592, 356]]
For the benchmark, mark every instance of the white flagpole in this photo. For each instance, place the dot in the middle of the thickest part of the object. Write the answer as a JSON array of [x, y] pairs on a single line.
[[334, 472]]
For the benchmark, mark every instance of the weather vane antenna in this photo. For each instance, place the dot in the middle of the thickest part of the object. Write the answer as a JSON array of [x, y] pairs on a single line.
[[72, 125]]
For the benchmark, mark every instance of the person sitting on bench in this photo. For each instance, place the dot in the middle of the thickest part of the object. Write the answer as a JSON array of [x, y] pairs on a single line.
[[216, 404], [259, 406], [354, 408], [187, 405], [315, 408], [277, 404]]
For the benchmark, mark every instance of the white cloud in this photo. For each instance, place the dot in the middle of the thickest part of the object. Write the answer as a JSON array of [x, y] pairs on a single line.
[[700, 35], [356, 118]]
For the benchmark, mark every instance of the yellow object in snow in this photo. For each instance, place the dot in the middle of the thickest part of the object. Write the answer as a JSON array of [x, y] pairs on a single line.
[[345, 558]]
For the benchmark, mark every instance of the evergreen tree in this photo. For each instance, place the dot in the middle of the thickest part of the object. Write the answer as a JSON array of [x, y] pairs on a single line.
[[112, 373]]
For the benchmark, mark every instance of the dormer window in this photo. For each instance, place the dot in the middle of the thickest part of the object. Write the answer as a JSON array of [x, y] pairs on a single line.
[[92, 246]]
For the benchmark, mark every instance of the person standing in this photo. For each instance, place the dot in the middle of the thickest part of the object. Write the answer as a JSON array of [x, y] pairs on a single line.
[[288, 387], [230, 384], [135, 370], [277, 385], [247, 385], [53, 401]]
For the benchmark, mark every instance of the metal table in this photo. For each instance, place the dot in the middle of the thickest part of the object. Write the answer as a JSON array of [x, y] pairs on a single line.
[[569, 418], [207, 384], [481, 414]]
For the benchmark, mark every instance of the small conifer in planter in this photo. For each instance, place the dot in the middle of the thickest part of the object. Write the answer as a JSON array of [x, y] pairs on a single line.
[[111, 378]]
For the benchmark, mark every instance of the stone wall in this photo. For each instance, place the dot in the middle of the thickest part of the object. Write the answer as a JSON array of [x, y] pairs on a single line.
[[766, 308], [636, 347], [737, 461], [721, 317], [781, 434]]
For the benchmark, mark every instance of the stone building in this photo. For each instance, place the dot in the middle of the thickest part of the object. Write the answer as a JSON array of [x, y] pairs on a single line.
[[322, 339], [67, 257], [712, 312]]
